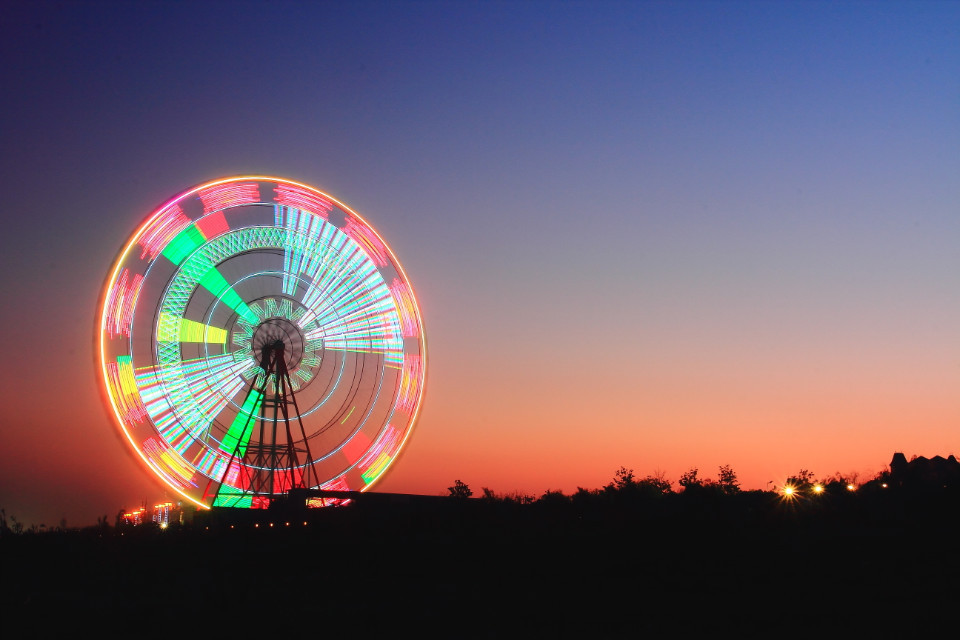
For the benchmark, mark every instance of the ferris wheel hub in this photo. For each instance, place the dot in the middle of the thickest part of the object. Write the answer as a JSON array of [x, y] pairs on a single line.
[[283, 333]]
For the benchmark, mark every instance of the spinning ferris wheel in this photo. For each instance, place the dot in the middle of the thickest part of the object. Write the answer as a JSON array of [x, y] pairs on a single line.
[[257, 336]]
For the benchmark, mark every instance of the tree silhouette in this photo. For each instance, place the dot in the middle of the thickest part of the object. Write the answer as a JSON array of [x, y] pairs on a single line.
[[689, 479], [727, 479], [460, 490]]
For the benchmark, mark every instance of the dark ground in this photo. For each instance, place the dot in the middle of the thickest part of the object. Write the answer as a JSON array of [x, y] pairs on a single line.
[[747, 565]]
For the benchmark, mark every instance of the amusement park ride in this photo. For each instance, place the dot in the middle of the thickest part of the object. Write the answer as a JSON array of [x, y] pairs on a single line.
[[257, 337]]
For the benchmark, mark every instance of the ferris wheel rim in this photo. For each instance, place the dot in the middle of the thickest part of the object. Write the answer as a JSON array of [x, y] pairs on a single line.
[[136, 237]]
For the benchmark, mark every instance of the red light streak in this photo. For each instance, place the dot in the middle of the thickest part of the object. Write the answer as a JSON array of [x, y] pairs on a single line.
[[212, 225], [355, 447]]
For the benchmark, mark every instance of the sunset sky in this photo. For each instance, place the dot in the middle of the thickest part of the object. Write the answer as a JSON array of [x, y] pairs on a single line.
[[658, 235]]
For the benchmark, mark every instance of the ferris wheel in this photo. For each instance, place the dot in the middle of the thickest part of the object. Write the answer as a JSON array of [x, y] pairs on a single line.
[[257, 336]]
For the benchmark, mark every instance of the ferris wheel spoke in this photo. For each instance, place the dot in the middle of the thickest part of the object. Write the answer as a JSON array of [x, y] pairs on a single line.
[[171, 328], [183, 398], [197, 264], [366, 328]]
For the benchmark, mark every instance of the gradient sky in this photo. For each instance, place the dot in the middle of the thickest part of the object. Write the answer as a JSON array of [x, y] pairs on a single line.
[[657, 235]]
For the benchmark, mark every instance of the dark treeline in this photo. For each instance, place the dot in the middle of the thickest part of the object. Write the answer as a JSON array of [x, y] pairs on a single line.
[[633, 557]]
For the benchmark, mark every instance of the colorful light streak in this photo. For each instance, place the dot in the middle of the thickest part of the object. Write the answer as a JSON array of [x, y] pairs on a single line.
[[368, 239], [120, 379], [378, 458], [406, 307], [410, 380]]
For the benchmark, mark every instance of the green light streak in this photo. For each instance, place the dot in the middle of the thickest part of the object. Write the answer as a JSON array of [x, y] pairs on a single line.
[[239, 500], [238, 435], [185, 243]]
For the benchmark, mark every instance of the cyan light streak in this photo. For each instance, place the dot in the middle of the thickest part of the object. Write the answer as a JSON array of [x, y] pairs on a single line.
[[184, 398], [351, 308]]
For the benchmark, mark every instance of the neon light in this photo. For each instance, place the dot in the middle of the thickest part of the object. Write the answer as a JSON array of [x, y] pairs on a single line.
[[378, 457], [171, 328], [185, 243], [200, 269], [233, 499], [125, 388], [410, 379], [169, 463], [238, 436], [406, 307], [174, 384], [120, 304], [183, 397], [356, 447], [213, 225], [229, 194], [160, 229], [304, 199], [368, 239]]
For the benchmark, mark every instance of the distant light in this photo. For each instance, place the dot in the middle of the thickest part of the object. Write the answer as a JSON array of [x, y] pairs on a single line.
[[818, 488], [884, 485], [789, 491], [163, 525], [851, 487], [271, 524]]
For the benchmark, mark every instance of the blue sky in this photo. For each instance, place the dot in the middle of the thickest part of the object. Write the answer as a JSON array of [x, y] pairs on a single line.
[[658, 235]]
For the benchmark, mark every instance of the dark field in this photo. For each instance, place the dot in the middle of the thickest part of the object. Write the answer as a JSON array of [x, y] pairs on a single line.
[[748, 564]]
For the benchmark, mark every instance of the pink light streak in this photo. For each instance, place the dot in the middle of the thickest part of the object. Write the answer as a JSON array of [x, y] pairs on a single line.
[[409, 383], [230, 194], [405, 308], [161, 230], [368, 240], [303, 199], [120, 304]]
